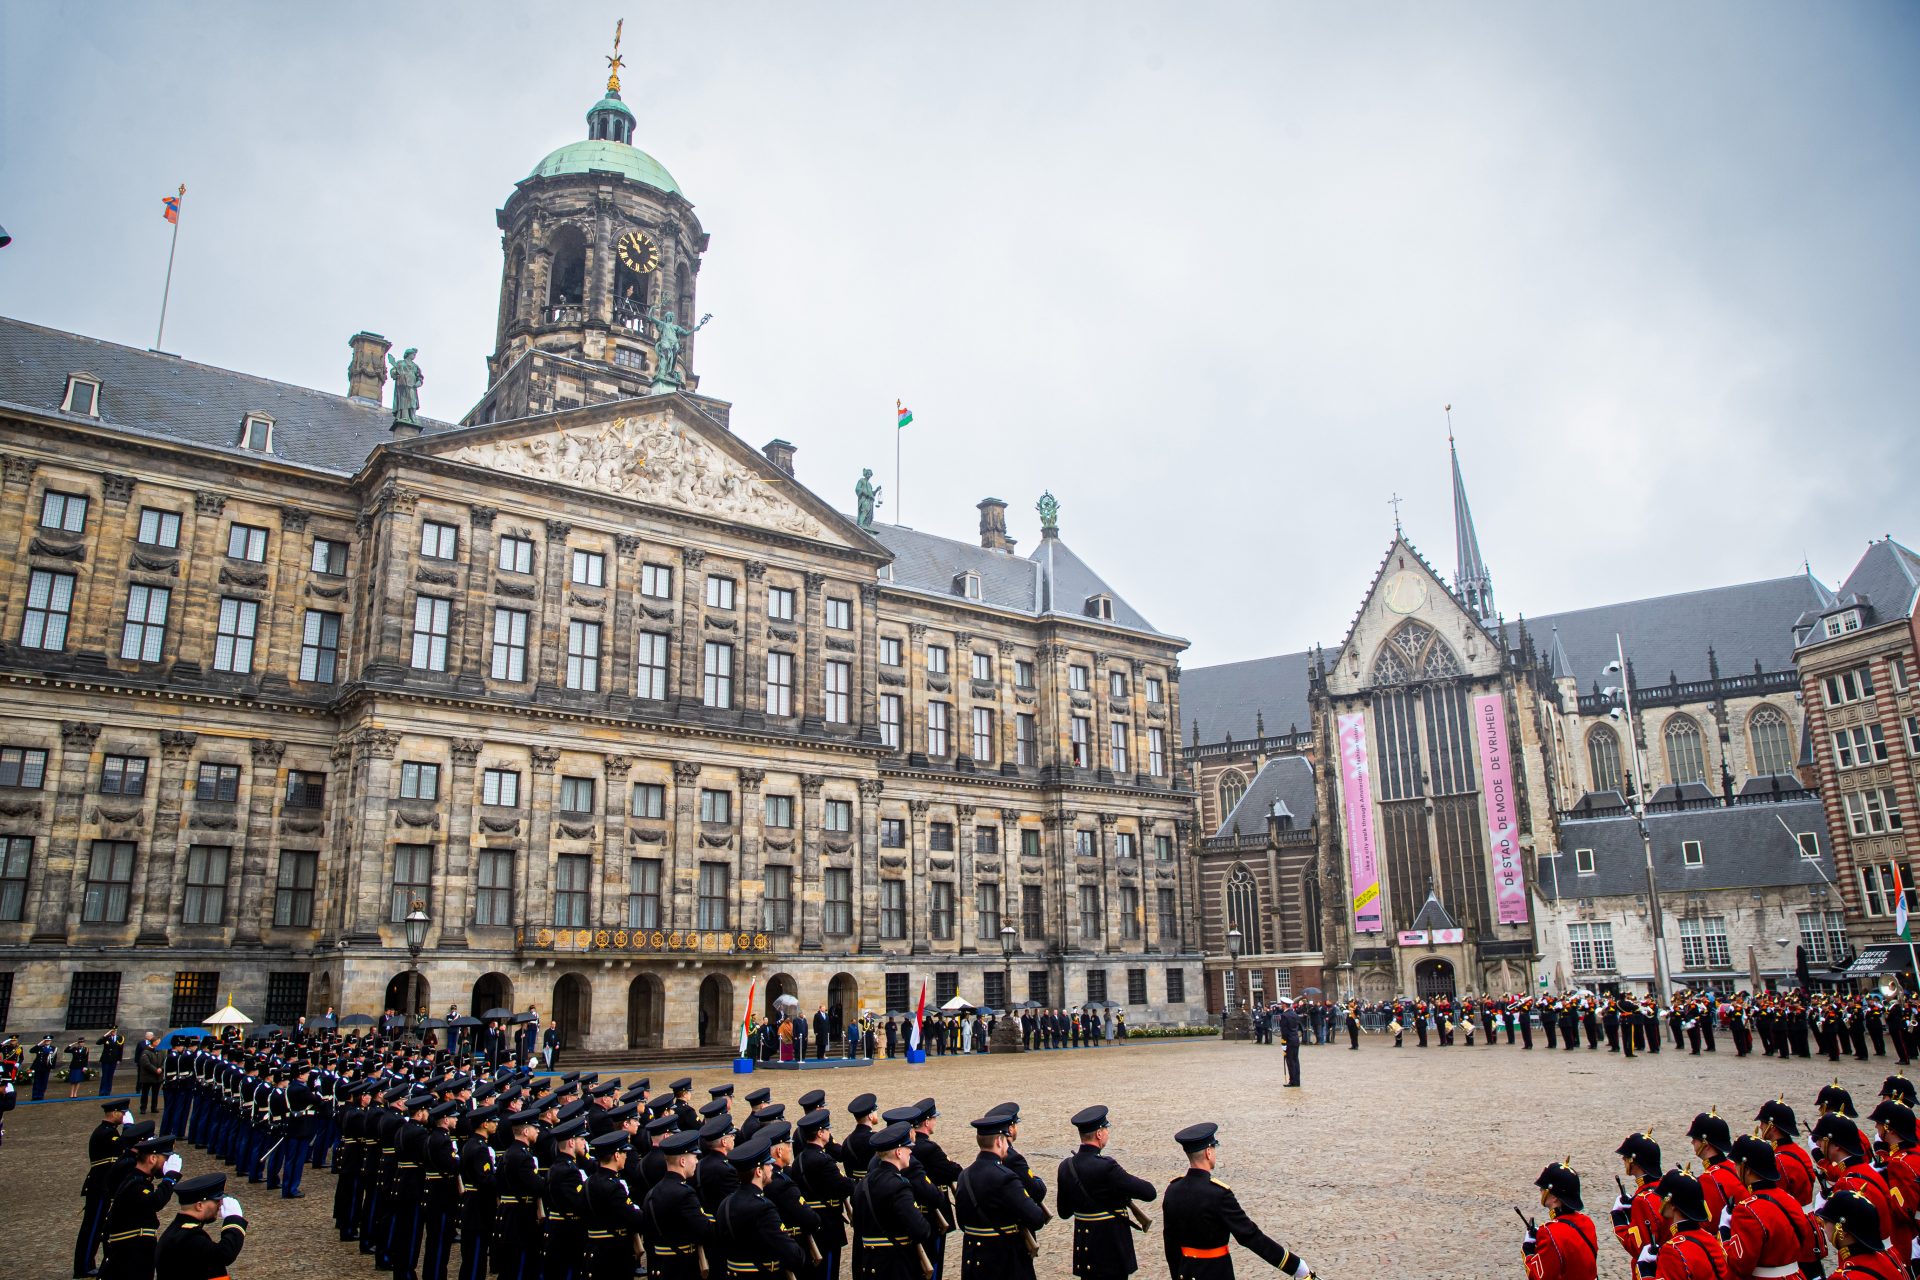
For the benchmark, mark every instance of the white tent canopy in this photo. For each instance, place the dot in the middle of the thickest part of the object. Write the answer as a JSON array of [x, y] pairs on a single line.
[[955, 1005], [228, 1017]]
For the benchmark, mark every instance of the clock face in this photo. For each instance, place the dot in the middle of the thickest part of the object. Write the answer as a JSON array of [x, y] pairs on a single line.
[[637, 252], [1406, 591]]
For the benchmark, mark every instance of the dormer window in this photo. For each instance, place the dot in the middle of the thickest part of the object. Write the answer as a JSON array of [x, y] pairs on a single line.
[[1101, 607], [1840, 624], [967, 584], [83, 395], [256, 433]]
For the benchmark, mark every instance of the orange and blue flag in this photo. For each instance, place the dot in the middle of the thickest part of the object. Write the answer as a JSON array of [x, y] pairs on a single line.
[[170, 208]]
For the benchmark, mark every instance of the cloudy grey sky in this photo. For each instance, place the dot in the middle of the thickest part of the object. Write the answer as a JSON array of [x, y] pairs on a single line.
[[1207, 271]]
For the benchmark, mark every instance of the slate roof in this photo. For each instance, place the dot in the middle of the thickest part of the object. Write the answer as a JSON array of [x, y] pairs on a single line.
[[1741, 847], [166, 397], [1886, 580], [1286, 779], [1223, 699], [930, 563], [1433, 917]]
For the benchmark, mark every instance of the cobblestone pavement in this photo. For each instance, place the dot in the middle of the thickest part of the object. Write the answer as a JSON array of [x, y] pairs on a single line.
[[1386, 1164]]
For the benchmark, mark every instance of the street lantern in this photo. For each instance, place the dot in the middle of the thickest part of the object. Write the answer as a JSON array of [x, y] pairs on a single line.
[[1234, 1023], [1234, 939], [1007, 1034], [416, 925], [1007, 936]]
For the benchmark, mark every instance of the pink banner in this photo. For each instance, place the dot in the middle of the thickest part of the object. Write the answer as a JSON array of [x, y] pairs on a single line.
[[1356, 790], [1503, 818]]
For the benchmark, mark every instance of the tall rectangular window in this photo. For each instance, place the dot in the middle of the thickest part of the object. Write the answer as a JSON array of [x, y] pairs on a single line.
[[893, 833], [656, 581], [839, 614], [1080, 735], [572, 874], [779, 811], [1126, 844], [1029, 842], [286, 998], [1033, 919], [1022, 673], [1877, 888], [500, 787], [1083, 842], [63, 512], [218, 782], [93, 1000], [1590, 947], [890, 720], [509, 644], [145, 632], [1169, 918], [576, 795], [293, 889], [838, 918], [583, 655], [1096, 985], [412, 880], [1824, 935], [246, 542], [205, 900], [329, 557], [1089, 911], [713, 905], [889, 651], [589, 569], [1155, 690], [438, 541], [650, 665], [946, 985], [941, 910], [109, 882], [716, 806], [1026, 739], [776, 908], [493, 895], [1130, 923], [779, 684], [940, 836], [123, 776], [1703, 942], [320, 647], [780, 604], [158, 528], [233, 641], [1038, 988], [937, 740], [1078, 678], [643, 893], [49, 611], [986, 909], [936, 659], [1163, 848], [419, 781], [1136, 986], [893, 909], [898, 996], [1156, 751], [431, 618], [994, 986], [516, 555], [1116, 684], [1117, 738], [836, 816], [1176, 986], [983, 667], [983, 735], [986, 841], [719, 592], [16, 859], [195, 997], [306, 789], [835, 699], [649, 800], [717, 672]]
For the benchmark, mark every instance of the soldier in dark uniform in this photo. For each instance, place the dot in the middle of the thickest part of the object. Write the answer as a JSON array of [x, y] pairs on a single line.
[[865, 1122], [379, 1170], [568, 1209], [1035, 1185], [521, 1187], [653, 1165], [206, 1234], [410, 1189], [612, 1217], [714, 1178], [750, 1236], [823, 1189], [1098, 1195], [1202, 1214], [889, 1231], [683, 1104], [674, 1225], [931, 1173], [104, 1146], [348, 1161], [798, 1219], [302, 1107], [997, 1216], [440, 1190], [133, 1217], [481, 1196]]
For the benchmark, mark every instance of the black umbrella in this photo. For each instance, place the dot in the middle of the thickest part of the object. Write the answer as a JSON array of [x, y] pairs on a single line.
[[357, 1020], [524, 1017], [465, 1021], [985, 1012], [433, 1024], [497, 1013]]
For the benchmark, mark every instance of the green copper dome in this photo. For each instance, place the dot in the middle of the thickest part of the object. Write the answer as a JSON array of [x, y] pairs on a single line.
[[616, 157]]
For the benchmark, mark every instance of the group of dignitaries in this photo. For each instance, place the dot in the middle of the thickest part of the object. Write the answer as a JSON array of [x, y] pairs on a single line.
[[1761, 1204], [441, 1170]]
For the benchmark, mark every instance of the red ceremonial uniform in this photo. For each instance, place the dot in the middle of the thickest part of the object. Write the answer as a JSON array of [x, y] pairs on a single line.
[[1693, 1254], [1770, 1236], [1796, 1170], [1644, 1226], [1865, 1179], [1722, 1187], [1565, 1248], [1872, 1266], [1903, 1198]]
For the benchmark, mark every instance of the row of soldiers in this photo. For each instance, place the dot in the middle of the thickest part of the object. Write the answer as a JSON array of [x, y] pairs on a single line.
[[1762, 1205], [441, 1171], [133, 1173]]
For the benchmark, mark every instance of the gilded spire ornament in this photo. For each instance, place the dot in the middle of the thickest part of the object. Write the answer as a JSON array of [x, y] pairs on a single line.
[[614, 60]]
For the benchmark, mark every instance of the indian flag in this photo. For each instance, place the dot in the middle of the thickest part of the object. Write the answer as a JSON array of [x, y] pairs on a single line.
[[746, 1022], [902, 415], [1900, 910], [919, 1015]]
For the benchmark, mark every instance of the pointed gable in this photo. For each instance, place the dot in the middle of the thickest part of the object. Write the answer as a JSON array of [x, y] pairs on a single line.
[[1408, 599]]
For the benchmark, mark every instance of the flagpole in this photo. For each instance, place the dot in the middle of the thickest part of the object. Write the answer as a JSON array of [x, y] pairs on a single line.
[[168, 287], [899, 517]]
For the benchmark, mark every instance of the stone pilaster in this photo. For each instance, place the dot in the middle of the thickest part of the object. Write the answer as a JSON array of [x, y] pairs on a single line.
[[692, 634], [807, 694], [163, 846], [64, 880], [333, 878], [372, 783], [537, 867], [807, 881], [916, 897], [750, 883], [965, 909], [388, 625], [1109, 884], [866, 677], [866, 876], [457, 909], [191, 611], [263, 786], [469, 655], [94, 601], [913, 721], [623, 585], [550, 620], [16, 514], [750, 667], [610, 885], [683, 859]]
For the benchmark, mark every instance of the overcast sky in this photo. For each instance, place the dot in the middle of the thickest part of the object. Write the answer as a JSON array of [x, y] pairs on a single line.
[[1207, 271]]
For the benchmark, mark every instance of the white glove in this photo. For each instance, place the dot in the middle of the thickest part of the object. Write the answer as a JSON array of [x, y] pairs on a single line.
[[1916, 1248], [126, 1121], [172, 1166], [230, 1208], [1621, 1203], [1726, 1216], [1818, 1201], [1300, 1270]]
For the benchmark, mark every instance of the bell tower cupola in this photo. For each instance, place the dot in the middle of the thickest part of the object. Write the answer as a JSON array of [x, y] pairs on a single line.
[[601, 256]]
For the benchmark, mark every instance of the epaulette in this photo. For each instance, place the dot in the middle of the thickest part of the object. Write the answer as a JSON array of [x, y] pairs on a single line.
[[1223, 1186]]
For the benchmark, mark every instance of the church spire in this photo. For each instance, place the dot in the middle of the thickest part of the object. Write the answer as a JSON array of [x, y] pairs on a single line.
[[1470, 579]]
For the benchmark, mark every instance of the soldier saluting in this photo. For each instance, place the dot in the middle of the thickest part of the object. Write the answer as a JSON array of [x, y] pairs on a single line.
[[1098, 1195], [205, 1236], [1202, 1215]]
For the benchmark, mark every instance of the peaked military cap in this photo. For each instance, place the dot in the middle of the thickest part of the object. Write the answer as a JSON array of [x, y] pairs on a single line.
[[886, 1139], [813, 1099], [756, 1150], [759, 1096], [208, 1186], [715, 1129], [569, 1129], [679, 1144], [993, 1125], [863, 1105], [1196, 1138], [815, 1120], [1091, 1120]]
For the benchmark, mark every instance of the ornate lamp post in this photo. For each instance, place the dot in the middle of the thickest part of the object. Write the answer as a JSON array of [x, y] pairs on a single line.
[[416, 923], [1235, 1024], [1662, 972], [1006, 1032]]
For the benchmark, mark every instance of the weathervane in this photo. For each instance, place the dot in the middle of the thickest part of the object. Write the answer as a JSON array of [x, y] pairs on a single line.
[[1395, 502], [614, 60]]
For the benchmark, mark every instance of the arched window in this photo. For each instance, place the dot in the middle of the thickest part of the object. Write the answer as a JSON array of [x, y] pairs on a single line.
[[1603, 759], [1243, 908], [1770, 741], [1233, 785], [1686, 750], [1310, 906], [1414, 652], [567, 276]]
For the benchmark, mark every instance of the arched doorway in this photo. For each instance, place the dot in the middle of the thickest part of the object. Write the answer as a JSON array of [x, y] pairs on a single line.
[[646, 1010], [573, 1010], [780, 984], [396, 997], [716, 1010], [843, 1000], [1433, 979], [493, 991]]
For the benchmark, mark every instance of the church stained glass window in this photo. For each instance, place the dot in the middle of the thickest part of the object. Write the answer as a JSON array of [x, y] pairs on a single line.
[[1770, 740], [1414, 652], [1243, 908], [1686, 750], [1603, 759], [1233, 785]]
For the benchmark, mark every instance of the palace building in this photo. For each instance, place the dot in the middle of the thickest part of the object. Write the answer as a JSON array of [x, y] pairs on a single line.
[[627, 712]]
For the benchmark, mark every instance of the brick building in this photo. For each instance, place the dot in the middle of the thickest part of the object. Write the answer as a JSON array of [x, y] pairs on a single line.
[[627, 710]]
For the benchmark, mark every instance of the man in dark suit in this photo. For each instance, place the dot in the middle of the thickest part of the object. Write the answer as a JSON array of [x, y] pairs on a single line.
[[1290, 1037], [820, 1029]]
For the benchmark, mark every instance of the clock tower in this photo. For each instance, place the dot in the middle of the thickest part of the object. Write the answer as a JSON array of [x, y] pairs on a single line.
[[602, 252]]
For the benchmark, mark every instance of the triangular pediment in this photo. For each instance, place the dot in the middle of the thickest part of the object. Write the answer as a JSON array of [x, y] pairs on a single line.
[[1410, 627], [660, 452]]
